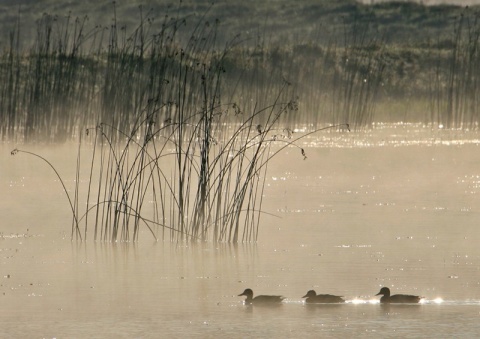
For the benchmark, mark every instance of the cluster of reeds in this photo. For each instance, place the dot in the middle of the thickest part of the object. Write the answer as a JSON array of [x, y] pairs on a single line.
[[454, 93], [336, 83], [74, 76], [45, 83], [194, 176], [171, 150]]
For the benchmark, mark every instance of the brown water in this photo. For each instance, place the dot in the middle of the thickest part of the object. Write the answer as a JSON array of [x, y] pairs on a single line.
[[397, 206]]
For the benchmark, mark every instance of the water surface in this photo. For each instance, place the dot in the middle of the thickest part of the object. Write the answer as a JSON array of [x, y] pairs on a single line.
[[397, 206]]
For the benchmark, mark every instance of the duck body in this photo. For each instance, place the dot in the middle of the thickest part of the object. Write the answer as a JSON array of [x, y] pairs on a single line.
[[313, 298], [397, 298], [261, 299]]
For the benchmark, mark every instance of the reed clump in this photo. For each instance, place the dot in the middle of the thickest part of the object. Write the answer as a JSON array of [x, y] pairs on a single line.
[[455, 86], [360, 69], [174, 148], [193, 177], [75, 76]]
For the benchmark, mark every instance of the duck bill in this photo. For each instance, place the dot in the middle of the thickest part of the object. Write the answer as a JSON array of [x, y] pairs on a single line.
[[378, 293], [304, 296], [241, 294]]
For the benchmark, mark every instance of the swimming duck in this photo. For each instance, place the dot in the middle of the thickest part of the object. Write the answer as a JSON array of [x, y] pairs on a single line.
[[397, 298], [314, 298], [260, 299]]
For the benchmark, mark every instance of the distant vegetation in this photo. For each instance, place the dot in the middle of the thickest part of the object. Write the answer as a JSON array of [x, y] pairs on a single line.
[[346, 63]]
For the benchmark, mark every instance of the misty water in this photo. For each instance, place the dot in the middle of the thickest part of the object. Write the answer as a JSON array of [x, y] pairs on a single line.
[[394, 206]]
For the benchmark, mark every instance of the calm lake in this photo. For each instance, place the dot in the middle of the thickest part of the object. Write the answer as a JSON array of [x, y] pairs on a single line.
[[395, 206]]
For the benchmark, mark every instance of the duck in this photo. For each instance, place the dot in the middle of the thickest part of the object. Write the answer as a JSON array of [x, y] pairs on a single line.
[[397, 298], [260, 299], [314, 298]]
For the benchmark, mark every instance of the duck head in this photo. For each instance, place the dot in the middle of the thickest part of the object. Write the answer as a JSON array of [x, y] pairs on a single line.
[[385, 291], [310, 294], [248, 293]]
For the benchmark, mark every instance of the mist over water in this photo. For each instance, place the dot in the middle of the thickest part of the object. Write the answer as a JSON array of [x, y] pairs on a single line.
[[397, 206]]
